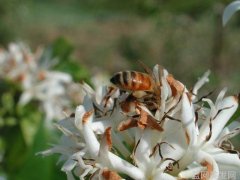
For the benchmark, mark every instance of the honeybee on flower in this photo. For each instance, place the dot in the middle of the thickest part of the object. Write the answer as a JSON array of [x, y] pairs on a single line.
[[180, 139]]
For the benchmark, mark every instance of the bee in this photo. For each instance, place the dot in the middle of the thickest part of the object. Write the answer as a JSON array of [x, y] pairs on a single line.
[[133, 81], [143, 88]]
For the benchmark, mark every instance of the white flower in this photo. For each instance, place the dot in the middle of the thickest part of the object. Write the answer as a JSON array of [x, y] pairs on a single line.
[[114, 134], [16, 61], [51, 92], [52, 89], [206, 150]]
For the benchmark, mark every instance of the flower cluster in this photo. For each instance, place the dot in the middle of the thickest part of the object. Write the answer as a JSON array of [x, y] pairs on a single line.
[[32, 71], [167, 133]]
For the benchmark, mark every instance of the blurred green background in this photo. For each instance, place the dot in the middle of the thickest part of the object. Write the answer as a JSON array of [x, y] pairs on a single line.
[[186, 37]]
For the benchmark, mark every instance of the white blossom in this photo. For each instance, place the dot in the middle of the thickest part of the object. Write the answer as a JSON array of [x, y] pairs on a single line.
[[53, 90], [114, 134]]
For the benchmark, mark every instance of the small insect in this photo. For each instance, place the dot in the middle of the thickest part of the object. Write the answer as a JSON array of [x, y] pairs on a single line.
[[133, 81], [143, 88]]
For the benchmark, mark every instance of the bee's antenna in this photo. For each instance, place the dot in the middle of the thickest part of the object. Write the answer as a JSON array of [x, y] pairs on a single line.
[[145, 67]]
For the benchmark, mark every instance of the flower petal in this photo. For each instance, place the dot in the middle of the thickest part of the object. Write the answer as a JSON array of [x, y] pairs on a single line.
[[144, 148], [89, 136], [111, 161], [190, 173], [164, 176], [204, 79], [122, 166], [176, 86], [69, 165], [227, 159], [188, 120], [225, 111], [206, 160], [229, 11]]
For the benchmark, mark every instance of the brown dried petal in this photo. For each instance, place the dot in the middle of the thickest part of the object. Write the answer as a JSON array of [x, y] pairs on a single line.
[[187, 137], [148, 121], [110, 175], [108, 138], [189, 95], [124, 125], [209, 169], [175, 85], [86, 116]]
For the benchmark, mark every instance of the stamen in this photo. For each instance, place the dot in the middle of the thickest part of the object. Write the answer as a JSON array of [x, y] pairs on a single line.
[[226, 145], [135, 148], [154, 150], [197, 115], [196, 118], [100, 113], [210, 130], [158, 145], [171, 165], [234, 152], [114, 105], [229, 135], [172, 118], [97, 111], [171, 109], [205, 96], [220, 110]]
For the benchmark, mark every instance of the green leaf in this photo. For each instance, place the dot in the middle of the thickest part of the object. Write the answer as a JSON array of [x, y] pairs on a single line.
[[10, 121], [15, 148], [8, 102], [38, 167], [74, 69], [29, 119], [61, 49]]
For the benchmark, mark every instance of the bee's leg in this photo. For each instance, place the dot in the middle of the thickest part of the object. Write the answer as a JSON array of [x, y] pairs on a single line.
[[109, 94], [98, 112], [129, 104], [106, 99]]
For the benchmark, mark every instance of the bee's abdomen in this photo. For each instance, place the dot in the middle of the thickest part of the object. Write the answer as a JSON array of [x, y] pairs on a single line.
[[132, 80]]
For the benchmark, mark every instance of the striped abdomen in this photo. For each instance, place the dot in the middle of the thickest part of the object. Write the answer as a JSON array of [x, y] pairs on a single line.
[[133, 81]]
